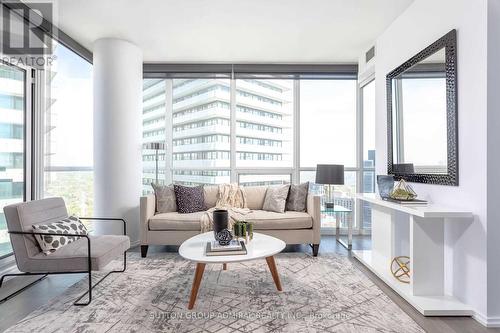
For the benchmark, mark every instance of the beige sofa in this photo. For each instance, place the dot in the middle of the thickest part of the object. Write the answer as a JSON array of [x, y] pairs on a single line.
[[174, 228]]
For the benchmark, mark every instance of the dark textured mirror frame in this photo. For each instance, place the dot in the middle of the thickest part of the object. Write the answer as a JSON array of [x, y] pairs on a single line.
[[449, 42]]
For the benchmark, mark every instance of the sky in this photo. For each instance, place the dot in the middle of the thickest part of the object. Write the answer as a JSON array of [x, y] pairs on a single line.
[[71, 87], [327, 122]]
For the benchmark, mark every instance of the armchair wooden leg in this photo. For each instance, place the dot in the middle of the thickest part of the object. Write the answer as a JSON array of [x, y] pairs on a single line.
[[144, 250]]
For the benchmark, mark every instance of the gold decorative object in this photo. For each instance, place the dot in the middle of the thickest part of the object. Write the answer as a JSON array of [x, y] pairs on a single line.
[[403, 191], [400, 268]]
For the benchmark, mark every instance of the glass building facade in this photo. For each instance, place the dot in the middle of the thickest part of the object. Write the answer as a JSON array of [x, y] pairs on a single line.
[[12, 115], [200, 127]]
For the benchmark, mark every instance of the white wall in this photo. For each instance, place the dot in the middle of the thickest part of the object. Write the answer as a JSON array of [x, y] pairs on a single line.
[[421, 24], [494, 161]]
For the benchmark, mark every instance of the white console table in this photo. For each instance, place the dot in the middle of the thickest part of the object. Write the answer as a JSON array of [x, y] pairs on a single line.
[[417, 232]]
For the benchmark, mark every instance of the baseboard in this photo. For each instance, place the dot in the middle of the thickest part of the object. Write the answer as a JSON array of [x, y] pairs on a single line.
[[486, 321]]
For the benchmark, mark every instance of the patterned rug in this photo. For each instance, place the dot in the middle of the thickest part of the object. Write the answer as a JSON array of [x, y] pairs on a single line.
[[320, 294]]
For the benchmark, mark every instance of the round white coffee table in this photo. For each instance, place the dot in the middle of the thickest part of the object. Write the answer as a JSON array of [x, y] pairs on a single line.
[[262, 246]]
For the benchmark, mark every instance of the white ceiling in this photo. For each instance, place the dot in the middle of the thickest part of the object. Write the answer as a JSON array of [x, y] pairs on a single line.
[[271, 31]]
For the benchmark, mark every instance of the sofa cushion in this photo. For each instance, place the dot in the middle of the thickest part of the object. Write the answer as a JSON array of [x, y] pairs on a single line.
[[73, 257], [165, 198], [264, 220], [190, 199], [275, 199], [297, 197], [255, 196], [211, 192], [176, 221]]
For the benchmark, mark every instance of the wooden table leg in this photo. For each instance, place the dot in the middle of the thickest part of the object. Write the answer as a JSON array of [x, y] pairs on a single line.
[[274, 272], [198, 275], [224, 266]]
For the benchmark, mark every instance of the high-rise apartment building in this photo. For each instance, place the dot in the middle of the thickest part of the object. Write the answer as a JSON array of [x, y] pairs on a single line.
[[194, 117], [11, 144]]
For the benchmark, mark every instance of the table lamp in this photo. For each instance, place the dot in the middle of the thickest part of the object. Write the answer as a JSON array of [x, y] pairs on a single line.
[[329, 174]]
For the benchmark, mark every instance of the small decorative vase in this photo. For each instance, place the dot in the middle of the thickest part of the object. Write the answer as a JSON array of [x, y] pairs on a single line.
[[220, 217], [403, 191], [385, 185]]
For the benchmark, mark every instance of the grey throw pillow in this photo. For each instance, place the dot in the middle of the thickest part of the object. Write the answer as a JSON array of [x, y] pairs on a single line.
[[275, 199], [165, 198], [297, 197], [189, 199]]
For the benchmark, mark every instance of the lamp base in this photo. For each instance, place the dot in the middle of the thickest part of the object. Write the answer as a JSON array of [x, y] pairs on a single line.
[[329, 205]]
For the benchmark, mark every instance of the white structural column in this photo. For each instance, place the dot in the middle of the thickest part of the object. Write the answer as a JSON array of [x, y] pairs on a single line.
[[117, 133]]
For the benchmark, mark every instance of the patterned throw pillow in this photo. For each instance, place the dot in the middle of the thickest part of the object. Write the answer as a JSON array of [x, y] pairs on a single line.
[[70, 225], [297, 197], [275, 199], [189, 199], [165, 198]]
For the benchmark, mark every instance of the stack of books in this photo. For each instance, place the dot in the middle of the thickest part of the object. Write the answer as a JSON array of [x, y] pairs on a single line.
[[414, 202], [234, 248]]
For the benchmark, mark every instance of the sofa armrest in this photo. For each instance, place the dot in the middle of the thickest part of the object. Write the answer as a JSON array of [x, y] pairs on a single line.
[[314, 209], [148, 206]]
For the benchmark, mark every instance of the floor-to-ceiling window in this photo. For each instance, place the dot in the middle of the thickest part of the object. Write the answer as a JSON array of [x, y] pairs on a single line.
[[12, 143], [254, 130], [328, 136], [67, 131], [368, 115], [200, 131], [264, 131], [153, 131]]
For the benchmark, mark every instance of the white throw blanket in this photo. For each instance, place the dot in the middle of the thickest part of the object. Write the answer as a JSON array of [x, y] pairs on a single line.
[[232, 198]]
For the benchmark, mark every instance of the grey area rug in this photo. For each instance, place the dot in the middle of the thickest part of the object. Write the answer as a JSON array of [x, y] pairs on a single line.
[[320, 294]]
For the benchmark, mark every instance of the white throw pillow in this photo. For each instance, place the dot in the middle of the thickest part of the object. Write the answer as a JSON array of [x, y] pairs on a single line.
[[275, 200], [49, 243]]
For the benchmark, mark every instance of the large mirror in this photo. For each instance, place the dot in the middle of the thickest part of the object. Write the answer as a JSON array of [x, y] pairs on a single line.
[[422, 116]]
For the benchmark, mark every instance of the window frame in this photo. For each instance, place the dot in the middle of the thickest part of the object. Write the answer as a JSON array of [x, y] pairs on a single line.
[[360, 149]]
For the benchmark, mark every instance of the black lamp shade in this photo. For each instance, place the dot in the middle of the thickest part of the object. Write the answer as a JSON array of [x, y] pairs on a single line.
[[331, 174]]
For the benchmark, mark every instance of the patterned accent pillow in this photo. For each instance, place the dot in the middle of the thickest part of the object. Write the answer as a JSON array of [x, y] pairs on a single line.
[[275, 199], [70, 225], [297, 197], [189, 199], [165, 198]]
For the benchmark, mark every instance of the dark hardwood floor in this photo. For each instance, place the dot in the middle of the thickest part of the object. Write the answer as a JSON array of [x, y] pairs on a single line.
[[18, 307]]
